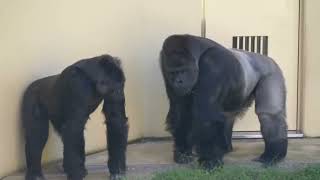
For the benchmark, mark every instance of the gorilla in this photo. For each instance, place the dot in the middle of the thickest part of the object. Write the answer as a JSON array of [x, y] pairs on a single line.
[[208, 87], [67, 100]]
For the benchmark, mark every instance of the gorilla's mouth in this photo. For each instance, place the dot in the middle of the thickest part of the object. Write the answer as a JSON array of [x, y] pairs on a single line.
[[182, 91]]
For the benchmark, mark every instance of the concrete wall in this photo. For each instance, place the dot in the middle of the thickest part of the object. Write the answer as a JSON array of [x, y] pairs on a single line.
[[41, 37], [311, 68]]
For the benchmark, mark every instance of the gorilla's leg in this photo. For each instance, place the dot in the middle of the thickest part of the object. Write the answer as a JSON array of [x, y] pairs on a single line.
[[179, 121], [73, 142], [271, 110], [83, 157], [117, 134], [228, 127], [36, 124]]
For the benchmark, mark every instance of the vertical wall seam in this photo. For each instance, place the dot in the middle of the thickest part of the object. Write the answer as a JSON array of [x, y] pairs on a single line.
[[203, 20], [299, 112]]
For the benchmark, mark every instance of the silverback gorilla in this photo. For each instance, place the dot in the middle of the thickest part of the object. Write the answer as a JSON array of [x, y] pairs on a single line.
[[208, 86], [67, 99]]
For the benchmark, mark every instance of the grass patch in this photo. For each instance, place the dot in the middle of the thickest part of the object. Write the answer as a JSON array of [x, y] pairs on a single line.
[[239, 173]]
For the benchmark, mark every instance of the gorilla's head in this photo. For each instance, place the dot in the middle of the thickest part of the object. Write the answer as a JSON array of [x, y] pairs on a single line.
[[111, 78], [180, 71], [179, 67]]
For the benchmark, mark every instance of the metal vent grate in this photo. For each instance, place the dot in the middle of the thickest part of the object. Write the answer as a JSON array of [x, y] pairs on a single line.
[[257, 44]]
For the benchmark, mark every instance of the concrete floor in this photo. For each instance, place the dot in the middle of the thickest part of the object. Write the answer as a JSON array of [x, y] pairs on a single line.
[[146, 158]]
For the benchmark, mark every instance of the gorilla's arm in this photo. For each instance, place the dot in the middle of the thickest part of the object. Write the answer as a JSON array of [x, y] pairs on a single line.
[[117, 131], [208, 132], [208, 117], [179, 123], [178, 120]]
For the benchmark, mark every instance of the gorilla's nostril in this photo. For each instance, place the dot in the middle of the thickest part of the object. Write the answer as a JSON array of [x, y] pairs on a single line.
[[178, 82]]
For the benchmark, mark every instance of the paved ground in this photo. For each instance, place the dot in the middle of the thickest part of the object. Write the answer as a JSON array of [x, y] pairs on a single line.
[[149, 157]]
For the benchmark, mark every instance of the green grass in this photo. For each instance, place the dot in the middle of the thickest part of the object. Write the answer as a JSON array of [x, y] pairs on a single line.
[[238, 173]]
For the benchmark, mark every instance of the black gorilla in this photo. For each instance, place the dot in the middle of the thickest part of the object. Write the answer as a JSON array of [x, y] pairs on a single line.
[[208, 86], [67, 99]]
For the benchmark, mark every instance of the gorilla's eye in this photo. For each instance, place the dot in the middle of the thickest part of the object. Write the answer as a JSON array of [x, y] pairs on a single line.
[[176, 73]]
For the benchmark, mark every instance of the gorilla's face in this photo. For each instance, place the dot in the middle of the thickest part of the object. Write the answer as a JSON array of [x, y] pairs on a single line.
[[110, 79], [108, 86], [181, 72]]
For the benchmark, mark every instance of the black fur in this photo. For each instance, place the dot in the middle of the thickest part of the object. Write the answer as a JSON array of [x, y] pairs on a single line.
[[203, 108], [67, 100]]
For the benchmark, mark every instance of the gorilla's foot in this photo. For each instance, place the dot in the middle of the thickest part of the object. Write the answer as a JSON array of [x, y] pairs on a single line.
[[78, 175], [183, 158], [267, 160], [210, 164], [274, 153], [117, 176], [34, 177], [75, 177], [83, 172], [228, 149]]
